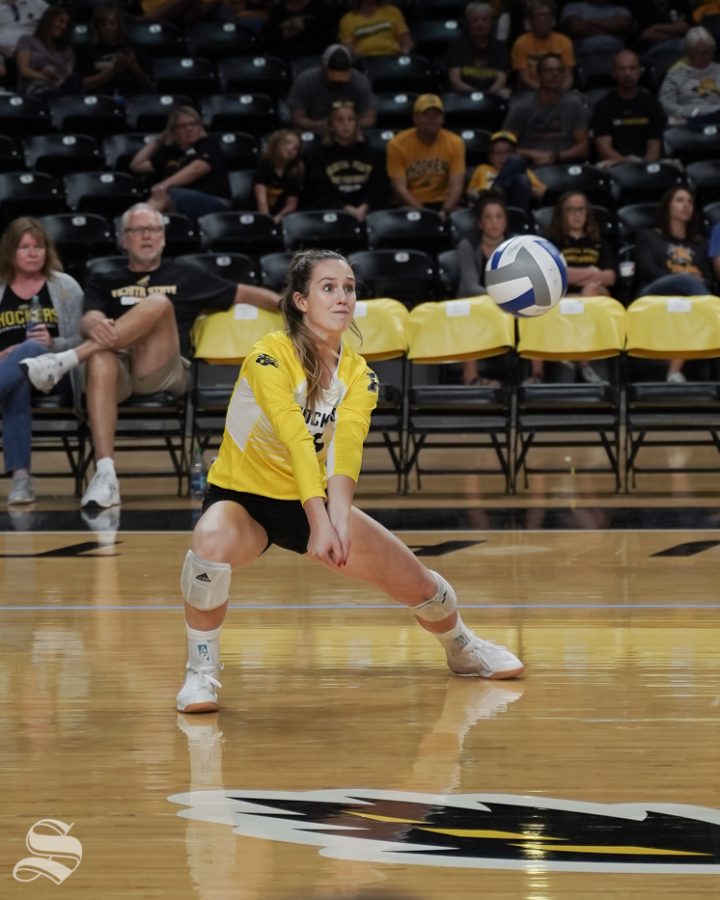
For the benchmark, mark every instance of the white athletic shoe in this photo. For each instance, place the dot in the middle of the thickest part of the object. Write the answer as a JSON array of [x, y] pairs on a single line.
[[198, 694], [44, 371], [483, 658], [103, 491], [21, 491]]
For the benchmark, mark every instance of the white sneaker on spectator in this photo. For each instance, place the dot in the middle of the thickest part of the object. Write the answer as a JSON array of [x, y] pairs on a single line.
[[21, 491], [483, 658], [44, 371], [590, 376], [676, 378], [103, 491], [198, 694]]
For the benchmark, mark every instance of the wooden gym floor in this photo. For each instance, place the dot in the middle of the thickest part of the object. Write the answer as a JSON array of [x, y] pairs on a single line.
[[348, 761]]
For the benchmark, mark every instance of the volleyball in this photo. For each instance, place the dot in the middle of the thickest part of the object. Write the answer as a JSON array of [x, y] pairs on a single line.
[[526, 276]]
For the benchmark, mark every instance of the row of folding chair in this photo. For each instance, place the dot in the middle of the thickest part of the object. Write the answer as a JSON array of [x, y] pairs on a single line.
[[500, 429]]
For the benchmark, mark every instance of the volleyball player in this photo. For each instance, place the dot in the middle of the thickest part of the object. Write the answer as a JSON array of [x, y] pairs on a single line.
[[286, 474]]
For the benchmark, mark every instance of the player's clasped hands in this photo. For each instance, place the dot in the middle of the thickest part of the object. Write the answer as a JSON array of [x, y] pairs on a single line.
[[326, 545]]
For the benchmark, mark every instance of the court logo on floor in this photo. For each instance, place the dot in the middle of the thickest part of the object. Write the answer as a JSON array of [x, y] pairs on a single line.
[[499, 831], [55, 852]]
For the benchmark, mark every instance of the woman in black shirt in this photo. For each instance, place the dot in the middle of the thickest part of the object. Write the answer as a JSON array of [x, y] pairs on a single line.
[[187, 168]]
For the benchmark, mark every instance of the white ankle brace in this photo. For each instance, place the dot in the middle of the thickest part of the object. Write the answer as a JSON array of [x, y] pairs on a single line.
[[439, 607]]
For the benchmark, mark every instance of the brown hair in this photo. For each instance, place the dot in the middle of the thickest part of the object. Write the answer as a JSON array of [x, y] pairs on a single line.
[[10, 241], [305, 343], [45, 24], [175, 115], [329, 132], [662, 219], [558, 231]]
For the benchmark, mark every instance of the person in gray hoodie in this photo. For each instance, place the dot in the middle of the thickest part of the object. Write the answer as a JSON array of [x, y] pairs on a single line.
[[690, 91]]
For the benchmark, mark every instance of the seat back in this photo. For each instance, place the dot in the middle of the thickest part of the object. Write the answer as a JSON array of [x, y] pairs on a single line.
[[577, 328], [666, 327], [225, 338], [420, 229], [149, 112], [331, 228], [246, 232], [382, 323], [574, 177], [638, 182], [405, 275], [455, 330]]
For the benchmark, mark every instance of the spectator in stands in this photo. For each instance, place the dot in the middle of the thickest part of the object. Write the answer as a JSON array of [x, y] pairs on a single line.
[[628, 122], [299, 28], [372, 28], [591, 270], [344, 171], [137, 325], [492, 227], [18, 18], [187, 167], [426, 164], [661, 26], [541, 39], [278, 179], [596, 26], [672, 258], [46, 60], [477, 60], [574, 231], [506, 173], [714, 253], [317, 90], [110, 64], [29, 266], [690, 91], [551, 123]]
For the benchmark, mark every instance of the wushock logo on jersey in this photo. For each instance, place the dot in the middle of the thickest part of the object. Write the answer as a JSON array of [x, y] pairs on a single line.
[[499, 831]]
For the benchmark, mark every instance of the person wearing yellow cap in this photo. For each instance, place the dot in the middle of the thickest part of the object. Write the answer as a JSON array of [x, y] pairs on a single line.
[[426, 163], [505, 173]]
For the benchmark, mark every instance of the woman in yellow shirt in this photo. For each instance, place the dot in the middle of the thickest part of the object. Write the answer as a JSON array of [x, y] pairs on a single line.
[[286, 474]]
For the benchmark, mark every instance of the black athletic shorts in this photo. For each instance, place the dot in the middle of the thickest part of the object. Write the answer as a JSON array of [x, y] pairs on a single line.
[[284, 520]]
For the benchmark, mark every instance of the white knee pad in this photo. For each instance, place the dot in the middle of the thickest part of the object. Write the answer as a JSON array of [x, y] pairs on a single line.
[[439, 607], [205, 585]]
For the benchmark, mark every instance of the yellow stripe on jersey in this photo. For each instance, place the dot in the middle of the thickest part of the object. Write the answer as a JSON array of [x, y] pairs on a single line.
[[273, 444]]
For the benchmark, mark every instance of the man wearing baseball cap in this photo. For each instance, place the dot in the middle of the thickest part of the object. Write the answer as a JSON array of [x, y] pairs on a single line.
[[318, 90], [426, 164]]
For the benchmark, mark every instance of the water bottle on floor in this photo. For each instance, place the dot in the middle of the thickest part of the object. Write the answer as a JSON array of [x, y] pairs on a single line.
[[198, 476]]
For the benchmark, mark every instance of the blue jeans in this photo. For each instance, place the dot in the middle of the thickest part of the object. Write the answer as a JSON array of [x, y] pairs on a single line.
[[682, 285], [16, 402], [196, 203], [514, 183]]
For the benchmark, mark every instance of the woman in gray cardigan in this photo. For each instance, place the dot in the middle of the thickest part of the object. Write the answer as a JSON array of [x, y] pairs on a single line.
[[29, 269]]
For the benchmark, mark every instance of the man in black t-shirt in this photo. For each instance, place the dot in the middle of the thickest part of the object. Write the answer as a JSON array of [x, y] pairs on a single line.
[[628, 122], [137, 324]]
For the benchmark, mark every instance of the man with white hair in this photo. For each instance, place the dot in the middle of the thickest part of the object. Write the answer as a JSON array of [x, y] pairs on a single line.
[[137, 325], [690, 91]]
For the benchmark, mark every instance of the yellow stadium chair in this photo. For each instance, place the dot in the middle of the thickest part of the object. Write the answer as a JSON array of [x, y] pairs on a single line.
[[572, 415], [383, 343], [659, 414], [455, 416], [222, 340]]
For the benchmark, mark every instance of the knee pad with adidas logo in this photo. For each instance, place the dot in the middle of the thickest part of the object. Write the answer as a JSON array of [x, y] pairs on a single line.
[[205, 585]]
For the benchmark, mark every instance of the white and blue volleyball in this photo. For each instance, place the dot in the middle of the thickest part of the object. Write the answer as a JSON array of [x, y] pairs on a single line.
[[526, 276]]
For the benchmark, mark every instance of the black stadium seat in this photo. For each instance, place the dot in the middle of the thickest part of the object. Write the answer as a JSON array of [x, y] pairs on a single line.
[[58, 154], [27, 193], [243, 232], [105, 193], [149, 112], [329, 228], [404, 275]]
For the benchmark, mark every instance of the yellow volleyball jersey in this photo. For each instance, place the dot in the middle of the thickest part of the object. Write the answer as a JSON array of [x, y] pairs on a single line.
[[274, 444]]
